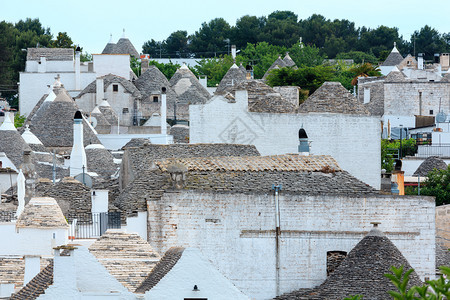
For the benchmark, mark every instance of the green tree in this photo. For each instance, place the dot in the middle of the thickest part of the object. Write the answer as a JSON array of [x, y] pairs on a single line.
[[358, 57], [167, 69], [281, 29], [308, 78], [215, 68], [211, 39], [176, 44], [154, 48], [429, 41], [380, 39], [19, 120], [306, 56], [63, 40], [261, 56], [437, 184], [247, 30]]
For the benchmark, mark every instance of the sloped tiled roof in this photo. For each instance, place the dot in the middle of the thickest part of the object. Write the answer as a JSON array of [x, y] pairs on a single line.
[[442, 256], [107, 81], [429, 164], [50, 53], [108, 48], [136, 142], [99, 116], [167, 262], [278, 63], [233, 77], [42, 213], [12, 143], [126, 256], [332, 97], [187, 87], [37, 285], [55, 127], [151, 82], [394, 58], [362, 272], [108, 112], [289, 163]]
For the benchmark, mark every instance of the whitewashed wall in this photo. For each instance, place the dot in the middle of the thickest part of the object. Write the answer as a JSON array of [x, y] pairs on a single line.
[[118, 64], [236, 233], [82, 276], [137, 224], [193, 269], [354, 141], [34, 85], [30, 241]]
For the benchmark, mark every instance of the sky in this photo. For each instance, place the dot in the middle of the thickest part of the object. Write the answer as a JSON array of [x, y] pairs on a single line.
[[90, 23]]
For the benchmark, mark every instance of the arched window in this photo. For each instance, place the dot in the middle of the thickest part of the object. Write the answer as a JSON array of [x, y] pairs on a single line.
[[302, 134], [334, 259]]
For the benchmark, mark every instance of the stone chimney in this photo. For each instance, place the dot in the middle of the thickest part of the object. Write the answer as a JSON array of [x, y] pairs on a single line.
[[233, 51], [420, 61], [29, 172], [78, 69], [78, 155], [42, 66], [144, 65], [32, 267], [303, 147]]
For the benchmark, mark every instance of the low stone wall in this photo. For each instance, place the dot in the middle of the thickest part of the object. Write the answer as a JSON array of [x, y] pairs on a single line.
[[443, 225]]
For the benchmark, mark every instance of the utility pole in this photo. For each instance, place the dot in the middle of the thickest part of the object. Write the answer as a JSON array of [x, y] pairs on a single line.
[[277, 189]]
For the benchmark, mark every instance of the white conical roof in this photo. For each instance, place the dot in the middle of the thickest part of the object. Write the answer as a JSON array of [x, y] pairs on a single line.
[[96, 110], [184, 67], [104, 103], [395, 48], [29, 137], [234, 66], [8, 124]]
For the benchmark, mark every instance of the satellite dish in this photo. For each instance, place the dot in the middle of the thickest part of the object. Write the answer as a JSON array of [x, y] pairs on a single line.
[[441, 117], [94, 122], [86, 178]]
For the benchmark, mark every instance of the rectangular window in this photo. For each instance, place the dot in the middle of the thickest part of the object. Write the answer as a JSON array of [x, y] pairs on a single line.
[[366, 95], [431, 112], [125, 110], [115, 87], [155, 98]]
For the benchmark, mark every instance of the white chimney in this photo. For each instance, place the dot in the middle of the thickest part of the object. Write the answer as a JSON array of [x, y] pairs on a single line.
[[42, 67], [20, 193], [78, 154], [233, 51], [163, 112], [203, 79], [420, 61], [100, 91], [99, 200], [64, 270], [32, 267], [77, 70]]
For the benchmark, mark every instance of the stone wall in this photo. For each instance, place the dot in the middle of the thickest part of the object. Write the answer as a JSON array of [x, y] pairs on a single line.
[[442, 225], [353, 140], [237, 233], [376, 102], [402, 98]]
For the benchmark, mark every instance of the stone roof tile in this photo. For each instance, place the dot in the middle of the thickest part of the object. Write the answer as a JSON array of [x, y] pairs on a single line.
[[332, 97], [109, 79], [50, 53], [37, 285], [233, 77], [42, 213], [429, 164]]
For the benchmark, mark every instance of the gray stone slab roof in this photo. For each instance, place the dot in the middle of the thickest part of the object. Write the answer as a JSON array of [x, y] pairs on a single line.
[[126, 256], [395, 76], [151, 82], [50, 53], [109, 114], [108, 48], [109, 79], [362, 272], [278, 63], [393, 59], [288, 61], [12, 143], [168, 261], [37, 285], [100, 161], [188, 88], [442, 256], [429, 164], [262, 98], [42, 213], [332, 97], [180, 134], [124, 46], [233, 77], [55, 127]]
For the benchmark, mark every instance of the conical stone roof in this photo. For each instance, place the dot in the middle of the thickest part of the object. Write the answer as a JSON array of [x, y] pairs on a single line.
[[278, 63], [289, 62], [233, 77], [362, 272], [429, 164], [395, 76], [109, 47], [243, 69], [98, 115], [124, 46], [394, 58], [100, 160], [187, 87], [108, 112], [12, 143], [152, 81], [55, 127], [332, 97]]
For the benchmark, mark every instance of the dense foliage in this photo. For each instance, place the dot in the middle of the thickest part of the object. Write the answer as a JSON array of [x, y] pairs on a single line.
[[335, 38], [391, 149], [437, 184]]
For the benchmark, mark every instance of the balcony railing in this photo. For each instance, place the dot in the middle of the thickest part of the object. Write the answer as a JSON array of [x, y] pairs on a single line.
[[92, 225], [441, 150]]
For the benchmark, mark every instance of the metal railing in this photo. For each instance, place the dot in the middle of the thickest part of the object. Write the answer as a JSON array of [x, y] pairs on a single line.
[[92, 225], [441, 150]]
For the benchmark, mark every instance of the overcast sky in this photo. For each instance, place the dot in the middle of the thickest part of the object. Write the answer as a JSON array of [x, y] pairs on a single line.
[[89, 23]]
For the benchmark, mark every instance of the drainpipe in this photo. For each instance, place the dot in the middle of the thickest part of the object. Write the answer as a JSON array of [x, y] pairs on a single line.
[[277, 189]]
